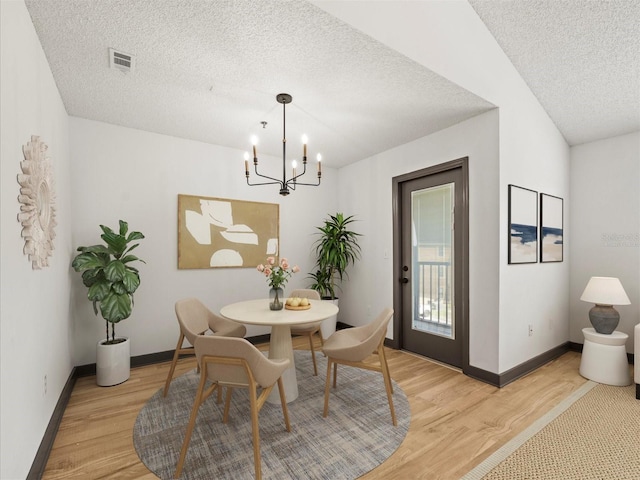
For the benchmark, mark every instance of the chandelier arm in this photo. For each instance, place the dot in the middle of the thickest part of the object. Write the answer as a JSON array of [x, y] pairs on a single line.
[[304, 170], [277, 182], [255, 168], [294, 180], [306, 184]]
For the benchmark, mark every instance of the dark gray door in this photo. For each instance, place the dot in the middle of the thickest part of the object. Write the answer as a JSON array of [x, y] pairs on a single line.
[[433, 265]]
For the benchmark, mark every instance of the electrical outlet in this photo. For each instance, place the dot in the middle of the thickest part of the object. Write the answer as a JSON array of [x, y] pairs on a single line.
[[45, 386], [531, 330]]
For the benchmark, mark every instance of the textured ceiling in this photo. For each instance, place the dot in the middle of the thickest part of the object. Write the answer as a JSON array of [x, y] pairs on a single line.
[[210, 71], [580, 58]]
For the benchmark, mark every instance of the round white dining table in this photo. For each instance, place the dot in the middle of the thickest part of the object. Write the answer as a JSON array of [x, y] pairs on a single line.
[[257, 312]]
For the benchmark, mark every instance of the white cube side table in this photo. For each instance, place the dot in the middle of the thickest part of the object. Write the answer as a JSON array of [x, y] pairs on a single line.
[[604, 358]]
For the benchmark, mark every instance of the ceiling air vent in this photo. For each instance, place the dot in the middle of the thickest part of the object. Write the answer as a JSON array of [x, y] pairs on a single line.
[[120, 60]]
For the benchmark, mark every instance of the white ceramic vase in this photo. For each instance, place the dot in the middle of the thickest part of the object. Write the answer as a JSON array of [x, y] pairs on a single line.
[[328, 325], [113, 363]]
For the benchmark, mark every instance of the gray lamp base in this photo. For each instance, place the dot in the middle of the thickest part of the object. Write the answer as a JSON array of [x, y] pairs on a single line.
[[604, 318]]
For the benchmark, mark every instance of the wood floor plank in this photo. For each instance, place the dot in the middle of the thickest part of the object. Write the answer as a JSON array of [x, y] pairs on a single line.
[[456, 421]]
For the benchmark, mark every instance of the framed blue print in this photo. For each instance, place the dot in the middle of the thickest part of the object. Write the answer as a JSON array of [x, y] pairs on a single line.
[[551, 228], [523, 225]]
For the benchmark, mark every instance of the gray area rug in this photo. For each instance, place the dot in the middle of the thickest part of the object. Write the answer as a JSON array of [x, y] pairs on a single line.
[[356, 437]]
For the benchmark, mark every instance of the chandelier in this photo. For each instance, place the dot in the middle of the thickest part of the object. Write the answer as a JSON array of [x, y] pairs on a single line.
[[286, 185]]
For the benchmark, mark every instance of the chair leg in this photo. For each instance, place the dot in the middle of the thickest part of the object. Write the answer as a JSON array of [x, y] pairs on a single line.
[[219, 399], [335, 374], [173, 365], [283, 401], [190, 426], [227, 404], [387, 384], [385, 366], [313, 354], [327, 387], [255, 430]]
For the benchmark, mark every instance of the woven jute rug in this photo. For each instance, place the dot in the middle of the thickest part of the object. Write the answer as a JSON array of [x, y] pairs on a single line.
[[593, 435], [356, 437]]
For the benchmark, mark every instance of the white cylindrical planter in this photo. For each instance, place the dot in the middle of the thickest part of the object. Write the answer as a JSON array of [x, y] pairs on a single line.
[[328, 325], [113, 363]]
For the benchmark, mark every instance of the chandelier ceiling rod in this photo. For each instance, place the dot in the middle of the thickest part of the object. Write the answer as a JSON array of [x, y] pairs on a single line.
[[285, 184]]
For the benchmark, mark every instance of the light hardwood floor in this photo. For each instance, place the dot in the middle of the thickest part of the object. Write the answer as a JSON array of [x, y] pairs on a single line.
[[456, 421]]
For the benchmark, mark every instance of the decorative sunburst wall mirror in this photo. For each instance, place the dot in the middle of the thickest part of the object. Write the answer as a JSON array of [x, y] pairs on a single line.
[[37, 197]]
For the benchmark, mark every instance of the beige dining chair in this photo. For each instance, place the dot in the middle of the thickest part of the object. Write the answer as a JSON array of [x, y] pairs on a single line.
[[351, 346], [232, 363], [308, 330], [195, 319]]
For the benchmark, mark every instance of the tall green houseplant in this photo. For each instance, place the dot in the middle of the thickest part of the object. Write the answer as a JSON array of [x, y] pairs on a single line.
[[336, 248], [108, 274]]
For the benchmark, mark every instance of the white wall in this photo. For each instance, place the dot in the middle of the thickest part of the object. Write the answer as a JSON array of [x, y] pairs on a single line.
[[449, 38], [34, 304], [535, 157], [605, 222], [366, 191], [122, 173]]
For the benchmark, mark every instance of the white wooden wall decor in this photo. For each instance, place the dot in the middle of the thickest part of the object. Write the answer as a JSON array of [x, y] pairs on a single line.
[[37, 197]]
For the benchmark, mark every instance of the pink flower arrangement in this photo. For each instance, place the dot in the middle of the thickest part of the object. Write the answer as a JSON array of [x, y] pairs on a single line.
[[277, 274]]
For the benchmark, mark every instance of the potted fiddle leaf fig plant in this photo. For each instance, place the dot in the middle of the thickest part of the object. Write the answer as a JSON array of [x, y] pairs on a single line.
[[108, 273], [336, 249]]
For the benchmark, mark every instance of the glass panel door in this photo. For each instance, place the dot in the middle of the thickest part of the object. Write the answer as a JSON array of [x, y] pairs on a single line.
[[432, 214]]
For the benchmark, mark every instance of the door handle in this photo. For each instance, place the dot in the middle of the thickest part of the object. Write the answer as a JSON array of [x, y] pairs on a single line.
[[404, 280]]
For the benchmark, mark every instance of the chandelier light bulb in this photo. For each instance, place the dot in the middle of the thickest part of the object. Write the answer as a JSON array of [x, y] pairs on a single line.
[[246, 164], [294, 164], [254, 142]]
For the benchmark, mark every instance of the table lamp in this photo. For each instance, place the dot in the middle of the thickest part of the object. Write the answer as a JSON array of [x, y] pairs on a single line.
[[604, 292]]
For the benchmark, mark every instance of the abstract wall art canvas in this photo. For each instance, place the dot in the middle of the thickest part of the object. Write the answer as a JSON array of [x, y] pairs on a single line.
[[219, 232], [551, 228], [523, 225]]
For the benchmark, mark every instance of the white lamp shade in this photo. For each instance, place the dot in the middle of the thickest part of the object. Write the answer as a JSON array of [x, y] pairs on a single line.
[[605, 291]]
